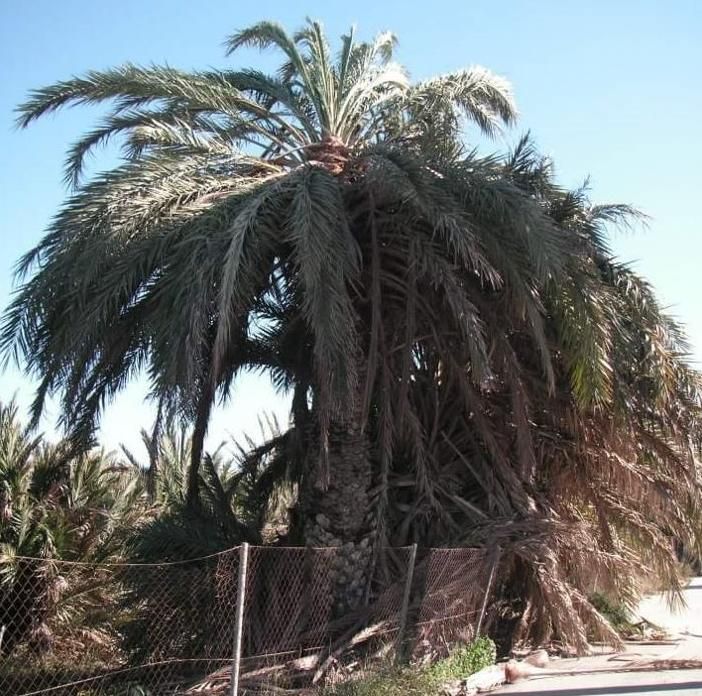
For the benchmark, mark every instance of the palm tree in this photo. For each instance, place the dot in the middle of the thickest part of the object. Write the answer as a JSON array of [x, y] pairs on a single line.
[[169, 456], [336, 186], [172, 530], [583, 483], [56, 507]]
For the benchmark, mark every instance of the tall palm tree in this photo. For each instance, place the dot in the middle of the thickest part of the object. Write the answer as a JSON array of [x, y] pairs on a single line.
[[337, 186]]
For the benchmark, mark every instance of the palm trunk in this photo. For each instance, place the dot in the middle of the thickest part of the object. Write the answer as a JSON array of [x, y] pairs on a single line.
[[153, 447], [202, 418], [336, 511]]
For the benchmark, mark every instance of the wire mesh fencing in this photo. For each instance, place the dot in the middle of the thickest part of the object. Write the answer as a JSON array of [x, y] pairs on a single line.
[[70, 628], [452, 591], [246, 620]]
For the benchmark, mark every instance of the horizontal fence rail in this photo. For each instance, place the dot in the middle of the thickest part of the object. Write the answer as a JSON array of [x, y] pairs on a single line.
[[236, 622]]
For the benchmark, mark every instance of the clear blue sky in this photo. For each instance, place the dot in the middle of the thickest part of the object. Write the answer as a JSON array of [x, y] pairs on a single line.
[[609, 89]]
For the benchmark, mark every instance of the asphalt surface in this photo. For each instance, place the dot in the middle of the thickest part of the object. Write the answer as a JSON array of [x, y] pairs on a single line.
[[626, 673]]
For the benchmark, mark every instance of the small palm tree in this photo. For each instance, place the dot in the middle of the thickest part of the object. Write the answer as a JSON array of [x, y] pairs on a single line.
[[56, 507], [172, 530], [169, 457]]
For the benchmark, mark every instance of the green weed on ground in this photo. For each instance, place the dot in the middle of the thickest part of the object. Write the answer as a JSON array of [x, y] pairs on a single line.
[[422, 681]]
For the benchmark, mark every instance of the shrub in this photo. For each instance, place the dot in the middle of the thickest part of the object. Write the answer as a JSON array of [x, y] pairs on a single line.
[[461, 663], [465, 660]]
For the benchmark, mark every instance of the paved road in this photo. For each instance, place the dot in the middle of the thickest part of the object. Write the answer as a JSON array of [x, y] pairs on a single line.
[[603, 675]]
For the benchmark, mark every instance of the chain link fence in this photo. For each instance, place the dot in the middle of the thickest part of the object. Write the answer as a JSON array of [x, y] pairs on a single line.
[[247, 620]]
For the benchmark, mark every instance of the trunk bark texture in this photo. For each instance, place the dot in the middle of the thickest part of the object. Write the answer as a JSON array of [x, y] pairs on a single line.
[[337, 512]]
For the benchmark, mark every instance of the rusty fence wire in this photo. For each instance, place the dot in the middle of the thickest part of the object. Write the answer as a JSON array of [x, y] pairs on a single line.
[[203, 627]]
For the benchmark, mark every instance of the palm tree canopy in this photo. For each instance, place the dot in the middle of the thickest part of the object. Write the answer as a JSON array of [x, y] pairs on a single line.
[[238, 187]]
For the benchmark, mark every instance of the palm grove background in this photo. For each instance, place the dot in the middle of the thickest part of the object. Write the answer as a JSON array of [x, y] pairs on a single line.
[[467, 361]]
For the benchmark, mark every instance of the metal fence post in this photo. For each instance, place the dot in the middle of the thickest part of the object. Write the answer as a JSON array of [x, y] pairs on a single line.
[[488, 590], [239, 620], [405, 604]]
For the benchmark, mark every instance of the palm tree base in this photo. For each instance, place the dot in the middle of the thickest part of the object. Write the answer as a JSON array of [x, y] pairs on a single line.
[[336, 514]]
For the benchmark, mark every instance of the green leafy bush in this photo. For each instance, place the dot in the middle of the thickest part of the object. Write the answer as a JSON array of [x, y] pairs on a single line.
[[466, 660], [461, 663]]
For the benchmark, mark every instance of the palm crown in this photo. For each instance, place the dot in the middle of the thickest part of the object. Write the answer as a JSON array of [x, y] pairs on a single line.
[[236, 187]]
